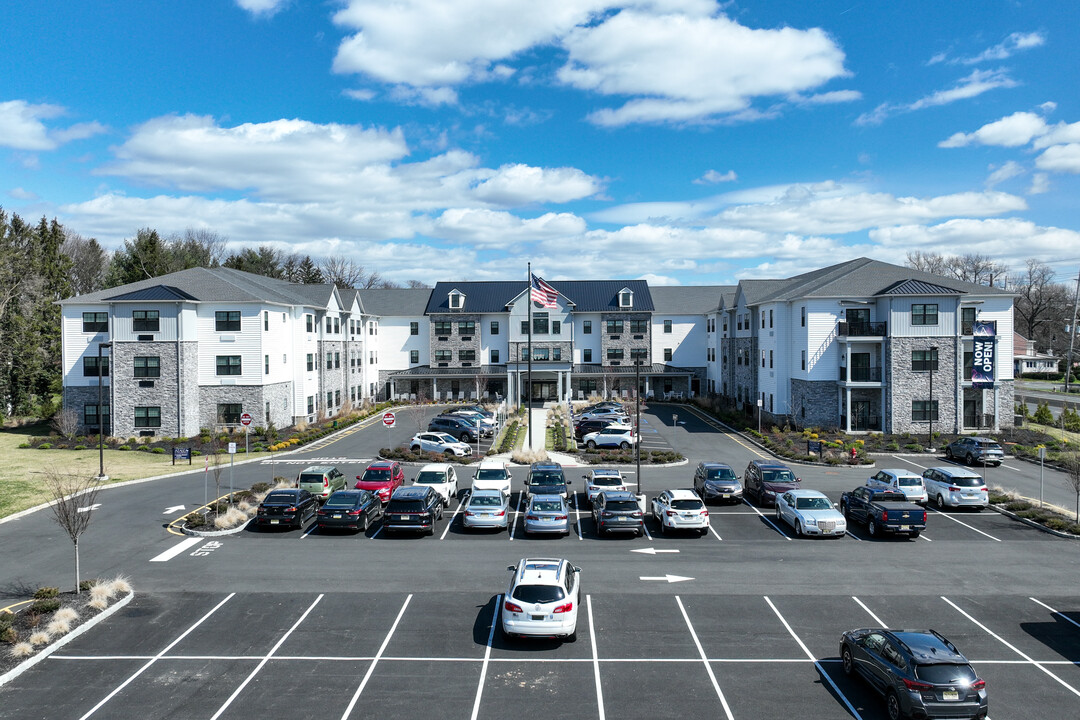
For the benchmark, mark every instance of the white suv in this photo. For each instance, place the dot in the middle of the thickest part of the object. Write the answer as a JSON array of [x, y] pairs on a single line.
[[901, 481], [441, 478], [680, 510], [542, 600], [492, 475], [602, 480], [955, 487], [620, 436]]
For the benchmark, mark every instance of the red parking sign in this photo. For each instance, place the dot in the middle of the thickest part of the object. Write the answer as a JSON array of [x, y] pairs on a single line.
[[245, 419], [388, 419]]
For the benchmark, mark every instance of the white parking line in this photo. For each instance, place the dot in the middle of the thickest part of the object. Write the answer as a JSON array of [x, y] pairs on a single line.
[[705, 659], [1012, 647], [817, 663], [157, 657], [313, 528], [176, 549], [266, 659], [853, 535], [487, 657], [713, 531], [577, 514], [869, 612], [517, 510], [371, 667], [961, 522], [1063, 617], [452, 518], [595, 659], [762, 516], [381, 526]]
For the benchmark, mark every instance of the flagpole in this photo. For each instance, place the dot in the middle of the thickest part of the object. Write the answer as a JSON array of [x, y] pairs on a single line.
[[528, 335]]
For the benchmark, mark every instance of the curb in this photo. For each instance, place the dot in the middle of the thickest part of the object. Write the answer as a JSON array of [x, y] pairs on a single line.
[[215, 533], [1032, 523], [50, 649]]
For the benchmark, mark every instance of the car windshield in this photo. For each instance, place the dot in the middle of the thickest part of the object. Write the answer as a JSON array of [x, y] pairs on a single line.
[[812, 503], [279, 498], [496, 474], [606, 480], [621, 505], [404, 506], [538, 593], [341, 501], [376, 475], [547, 506], [311, 478], [988, 445], [721, 474], [777, 476], [431, 477], [687, 504], [945, 674], [485, 501], [967, 481], [910, 481], [443, 437], [547, 477]]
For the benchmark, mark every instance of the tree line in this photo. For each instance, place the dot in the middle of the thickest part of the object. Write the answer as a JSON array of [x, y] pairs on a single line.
[[43, 263]]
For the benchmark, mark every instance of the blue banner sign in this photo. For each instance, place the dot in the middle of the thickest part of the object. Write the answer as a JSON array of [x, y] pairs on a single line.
[[984, 349]]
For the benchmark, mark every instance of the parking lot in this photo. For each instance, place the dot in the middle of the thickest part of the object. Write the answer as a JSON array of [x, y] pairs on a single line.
[[352, 655]]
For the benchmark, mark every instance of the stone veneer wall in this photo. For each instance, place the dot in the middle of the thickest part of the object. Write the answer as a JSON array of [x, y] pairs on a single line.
[[820, 401], [77, 397], [332, 379], [279, 395], [189, 388], [626, 340], [904, 385], [455, 341], [250, 398], [745, 375], [164, 394]]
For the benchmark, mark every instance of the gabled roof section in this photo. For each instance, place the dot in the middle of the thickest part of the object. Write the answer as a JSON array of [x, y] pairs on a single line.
[[918, 287], [395, 302], [585, 295], [689, 300], [157, 292]]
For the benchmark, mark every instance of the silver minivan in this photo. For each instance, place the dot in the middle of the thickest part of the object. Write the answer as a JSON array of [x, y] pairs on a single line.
[[901, 481], [955, 487]]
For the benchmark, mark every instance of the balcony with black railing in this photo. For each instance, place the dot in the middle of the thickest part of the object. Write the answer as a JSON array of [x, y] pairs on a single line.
[[861, 374], [861, 329]]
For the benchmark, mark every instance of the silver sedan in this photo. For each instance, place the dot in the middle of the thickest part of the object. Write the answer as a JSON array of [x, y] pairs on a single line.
[[810, 513], [547, 514], [487, 509]]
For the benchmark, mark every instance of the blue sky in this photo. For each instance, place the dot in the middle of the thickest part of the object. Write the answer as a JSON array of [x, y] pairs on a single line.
[[682, 141]]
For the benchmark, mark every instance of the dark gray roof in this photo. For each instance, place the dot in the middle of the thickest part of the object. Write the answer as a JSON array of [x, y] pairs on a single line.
[[653, 369], [428, 371], [395, 302], [157, 292], [917, 287], [687, 300], [585, 295]]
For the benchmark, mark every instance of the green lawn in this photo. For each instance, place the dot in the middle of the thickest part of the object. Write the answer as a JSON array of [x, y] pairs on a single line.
[[23, 469]]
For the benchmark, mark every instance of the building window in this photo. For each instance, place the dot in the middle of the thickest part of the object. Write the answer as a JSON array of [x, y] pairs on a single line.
[[524, 327], [148, 366], [466, 327], [556, 354], [443, 327], [524, 353], [586, 327], [614, 354], [770, 358], [725, 326], [639, 353], [639, 326], [414, 357], [667, 326], [310, 322], [90, 367], [626, 299], [770, 318], [921, 410], [228, 365], [145, 320], [95, 322], [924, 314], [149, 417], [667, 354], [494, 356], [613, 326], [494, 327], [466, 355], [586, 355], [802, 316], [266, 320], [540, 323], [442, 356], [540, 353], [372, 357], [227, 321], [266, 364], [738, 322], [229, 413], [457, 300], [310, 362], [587, 386], [310, 404], [924, 360], [556, 327], [337, 326], [329, 400], [90, 415], [337, 398], [967, 320], [414, 328], [284, 359], [803, 359], [337, 360], [329, 325], [762, 319], [373, 328], [762, 358]]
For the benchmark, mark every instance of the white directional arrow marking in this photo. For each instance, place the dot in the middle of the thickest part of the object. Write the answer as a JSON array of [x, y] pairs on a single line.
[[95, 506], [173, 509], [653, 551], [668, 578]]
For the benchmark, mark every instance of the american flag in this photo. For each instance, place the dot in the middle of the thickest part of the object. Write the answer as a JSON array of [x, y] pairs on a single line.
[[541, 292]]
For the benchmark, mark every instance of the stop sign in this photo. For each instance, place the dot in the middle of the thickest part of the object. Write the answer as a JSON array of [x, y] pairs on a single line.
[[388, 419], [245, 419]]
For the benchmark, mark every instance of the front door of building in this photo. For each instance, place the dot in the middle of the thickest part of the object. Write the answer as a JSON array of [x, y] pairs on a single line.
[[860, 415], [973, 414], [543, 391]]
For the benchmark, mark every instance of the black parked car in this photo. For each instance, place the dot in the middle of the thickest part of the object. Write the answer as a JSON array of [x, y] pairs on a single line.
[[461, 428], [414, 508], [352, 509], [764, 480], [584, 427], [617, 511], [920, 673], [291, 507]]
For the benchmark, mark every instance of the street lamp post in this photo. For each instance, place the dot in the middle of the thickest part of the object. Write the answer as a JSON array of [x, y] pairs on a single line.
[[930, 408], [100, 414], [637, 423]]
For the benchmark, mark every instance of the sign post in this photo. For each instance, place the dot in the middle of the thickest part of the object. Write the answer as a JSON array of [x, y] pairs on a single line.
[[760, 404], [232, 457], [1042, 460], [388, 419], [245, 420], [179, 453]]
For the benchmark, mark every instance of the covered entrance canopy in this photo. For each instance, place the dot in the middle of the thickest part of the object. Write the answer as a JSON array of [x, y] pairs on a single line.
[[427, 384]]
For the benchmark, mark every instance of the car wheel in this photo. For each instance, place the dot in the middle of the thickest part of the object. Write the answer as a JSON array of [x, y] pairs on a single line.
[[776, 512], [449, 453], [969, 459], [892, 706], [798, 528], [414, 448], [572, 637], [591, 444], [940, 502], [847, 661], [948, 452], [704, 531], [624, 445], [871, 527]]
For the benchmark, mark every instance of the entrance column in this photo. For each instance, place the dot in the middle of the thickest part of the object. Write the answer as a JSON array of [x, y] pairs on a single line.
[[434, 395], [847, 415], [393, 389]]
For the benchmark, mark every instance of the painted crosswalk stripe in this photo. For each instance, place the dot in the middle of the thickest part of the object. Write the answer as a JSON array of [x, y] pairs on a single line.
[[176, 549]]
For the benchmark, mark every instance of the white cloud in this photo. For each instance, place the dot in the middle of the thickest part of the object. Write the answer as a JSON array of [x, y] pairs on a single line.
[[712, 177], [1040, 183], [21, 194], [999, 175], [693, 67], [361, 94], [1006, 48], [1011, 131], [22, 126], [1009, 239], [828, 98], [1060, 158], [424, 96], [1058, 135], [978, 82], [262, 7], [514, 185], [493, 228]]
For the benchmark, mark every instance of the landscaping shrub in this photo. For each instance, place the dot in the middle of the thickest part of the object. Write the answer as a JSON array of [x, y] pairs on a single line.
[[1043, 416], [914, 447], [158, 451], [44, 593], [46, 605], [260, 487], [85, 585], [45, 446], [1017, 505], [124, 447], [195, 521]]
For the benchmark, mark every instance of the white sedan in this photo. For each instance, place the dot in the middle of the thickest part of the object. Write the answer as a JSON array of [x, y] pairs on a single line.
[[680, 510], [439, 443], [811, 513], [441, 477], [491, 475]]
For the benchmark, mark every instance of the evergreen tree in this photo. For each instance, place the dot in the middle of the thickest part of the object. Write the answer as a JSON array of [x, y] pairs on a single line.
[[263, 261], [308, 272], [1043, 416], [143, 258]]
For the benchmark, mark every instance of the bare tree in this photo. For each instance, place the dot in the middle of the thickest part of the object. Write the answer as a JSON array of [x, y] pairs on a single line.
[[416, 284], [930, 262], [72, 501], [1040, 302], [1072, 476], [89, 263], [66, 422], [196, 247], [346, 273], [971, 267]]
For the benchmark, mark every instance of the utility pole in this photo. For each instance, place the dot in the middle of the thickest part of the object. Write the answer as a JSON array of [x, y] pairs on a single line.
[[637, 423], [1072, 337]]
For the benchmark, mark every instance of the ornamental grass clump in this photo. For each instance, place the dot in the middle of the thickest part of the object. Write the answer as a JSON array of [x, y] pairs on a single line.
[[21, 650]]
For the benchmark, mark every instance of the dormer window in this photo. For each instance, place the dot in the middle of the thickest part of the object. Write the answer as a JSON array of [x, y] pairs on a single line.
[[457, 300], [626, 298]]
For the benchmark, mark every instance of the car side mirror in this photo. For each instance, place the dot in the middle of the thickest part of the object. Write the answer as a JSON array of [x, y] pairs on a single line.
[[836, 505], [358, 477], [569, 482], [798, 480], [576, 569], [584, 477], [511, 568]]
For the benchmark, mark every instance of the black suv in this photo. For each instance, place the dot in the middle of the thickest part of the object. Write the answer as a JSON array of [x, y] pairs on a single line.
[[547, 478], [289, 507], [717, 481], [462, 429], [617, 511], [920, 673], [414, 508], [584, 427], [765, 479]]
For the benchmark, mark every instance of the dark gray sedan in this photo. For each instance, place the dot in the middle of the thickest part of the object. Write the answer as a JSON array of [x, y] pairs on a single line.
[[350, 509]]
